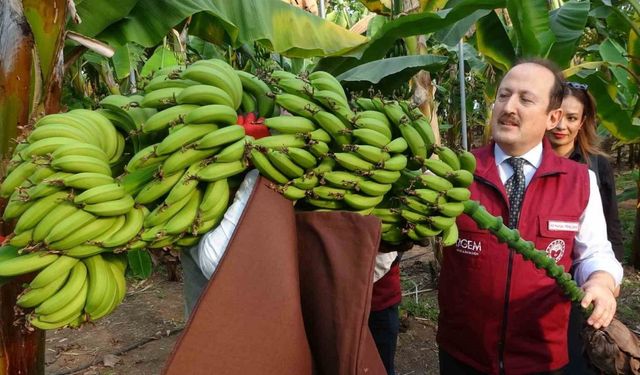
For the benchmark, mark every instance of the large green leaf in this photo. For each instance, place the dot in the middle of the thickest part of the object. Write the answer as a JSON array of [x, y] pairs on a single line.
[[96, 15], [451, 35], [140, 263], [287, 29], [493, 42], [530, 20], [413, 24], [633, 49], [613, 53], [389, 74], [162, 57], [611, 114], [126, 59], [567, 23]]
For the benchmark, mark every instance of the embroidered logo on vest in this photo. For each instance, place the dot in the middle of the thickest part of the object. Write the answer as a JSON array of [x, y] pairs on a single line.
[[468, 246], [556, 249]]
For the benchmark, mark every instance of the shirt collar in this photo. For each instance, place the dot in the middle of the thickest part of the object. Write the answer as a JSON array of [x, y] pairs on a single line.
[[533, 156]]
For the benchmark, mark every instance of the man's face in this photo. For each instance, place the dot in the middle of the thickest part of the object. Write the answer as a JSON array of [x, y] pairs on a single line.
[[520, 118]]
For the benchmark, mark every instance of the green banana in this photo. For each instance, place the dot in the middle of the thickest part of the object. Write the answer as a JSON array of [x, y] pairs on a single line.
[[187, 183], [84, 234], [371, 154], [26, 263], [280, 141], [467, 161], [361, 202], [373, 124], [212, 114], [325, 81], [163, 81], [67, 225], [163, 212], [387, 215], [371, 137], [35, 213], [183, 158], [413, 217], [100, 194], [428, 196], [441, 222], [132, 226], [260, 91], [16, 177], [234, 152], [79, 164], [459, 194], [296, 86], [326, 204], [71, 288], [434, 182], [284, 164], [450, 235], [397, 162], [184, 218], [114, 207], [461, 178], [183, 137], [33, 297], [426, 230], [72, 309], [418, 205], [306, 182], [301, 157], [297, 105], [352, 162], [99, 280], [204, 95], [45, 146], [448, 156], [133, 182], [290, 124], [216, 171], [221, 137], [328, 193], [292, 193], [87, 180], [414, 140], [438, 167], [342, 179], [22, 239], [320, 149], [217, 73], [62, 266], [383, 176], [168, 117], [164, 97], [373, 188], [80, 149], [158, 187]]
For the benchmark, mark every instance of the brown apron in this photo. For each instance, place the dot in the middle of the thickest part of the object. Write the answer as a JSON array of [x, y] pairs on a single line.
[[290, 296]]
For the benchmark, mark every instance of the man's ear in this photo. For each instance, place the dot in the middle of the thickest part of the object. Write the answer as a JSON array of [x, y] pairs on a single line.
[[555, 116]]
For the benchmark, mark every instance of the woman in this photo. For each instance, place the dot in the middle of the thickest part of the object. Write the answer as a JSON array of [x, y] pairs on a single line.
[[576, 138]]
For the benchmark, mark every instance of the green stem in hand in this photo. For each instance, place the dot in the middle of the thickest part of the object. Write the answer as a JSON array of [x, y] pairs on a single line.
[[525, 248]]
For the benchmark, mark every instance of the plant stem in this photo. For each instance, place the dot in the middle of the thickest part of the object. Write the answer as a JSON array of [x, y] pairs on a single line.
[[525, 248]]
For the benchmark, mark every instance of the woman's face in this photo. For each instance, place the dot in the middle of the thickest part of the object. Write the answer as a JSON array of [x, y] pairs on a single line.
[[567, 130]]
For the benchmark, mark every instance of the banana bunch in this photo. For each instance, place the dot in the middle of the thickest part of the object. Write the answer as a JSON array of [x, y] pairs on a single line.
[[68, 291], [432, 200]]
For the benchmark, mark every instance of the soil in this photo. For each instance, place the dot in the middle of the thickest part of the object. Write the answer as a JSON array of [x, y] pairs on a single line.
[[139, 336]]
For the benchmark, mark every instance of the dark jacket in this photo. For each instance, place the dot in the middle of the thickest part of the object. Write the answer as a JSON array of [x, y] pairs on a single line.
[[497, 309], [600, 165]]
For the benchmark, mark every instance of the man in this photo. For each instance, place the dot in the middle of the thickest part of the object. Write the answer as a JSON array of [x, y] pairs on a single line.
[[498, 313]]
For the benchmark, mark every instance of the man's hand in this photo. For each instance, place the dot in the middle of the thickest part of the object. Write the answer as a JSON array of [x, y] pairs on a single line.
[[599, 289]]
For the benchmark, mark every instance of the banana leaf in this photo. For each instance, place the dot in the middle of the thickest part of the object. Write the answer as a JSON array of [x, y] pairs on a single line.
[[413, 24], [567, 23], [378, 6], [451, 35], [530, 20], [284, 28], [162, 57], [633, 50], [613, 53], [610, 113], [389, 74], [126, 59], [493, 42], [140, 263], [97, 15]]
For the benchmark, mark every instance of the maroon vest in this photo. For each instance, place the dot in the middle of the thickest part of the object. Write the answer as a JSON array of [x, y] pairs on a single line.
[[495, 307]]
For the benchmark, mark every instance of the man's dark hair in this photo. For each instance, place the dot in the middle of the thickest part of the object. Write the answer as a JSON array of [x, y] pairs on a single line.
[[557, 90]]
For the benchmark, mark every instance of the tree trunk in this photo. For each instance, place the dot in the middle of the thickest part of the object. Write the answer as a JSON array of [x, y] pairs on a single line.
[[635, 244], [31, 68]]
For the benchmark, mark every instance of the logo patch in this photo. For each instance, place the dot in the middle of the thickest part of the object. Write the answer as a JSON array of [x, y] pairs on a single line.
[[469, 247], [556, 249]]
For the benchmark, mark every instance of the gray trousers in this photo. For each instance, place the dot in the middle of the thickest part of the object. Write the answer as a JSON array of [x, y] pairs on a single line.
[[194, 281]]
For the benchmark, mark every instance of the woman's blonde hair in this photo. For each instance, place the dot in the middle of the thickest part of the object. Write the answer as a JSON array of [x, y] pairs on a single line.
[[587, 140]]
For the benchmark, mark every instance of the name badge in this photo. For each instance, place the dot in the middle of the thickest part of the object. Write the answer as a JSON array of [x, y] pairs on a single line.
[[570, 226]]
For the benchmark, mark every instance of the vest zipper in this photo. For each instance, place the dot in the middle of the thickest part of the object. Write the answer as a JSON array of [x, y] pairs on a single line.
[[505, 312], [507, 293]]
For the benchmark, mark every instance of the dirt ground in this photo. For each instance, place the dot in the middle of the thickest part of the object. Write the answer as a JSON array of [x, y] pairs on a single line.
[[138, 338]]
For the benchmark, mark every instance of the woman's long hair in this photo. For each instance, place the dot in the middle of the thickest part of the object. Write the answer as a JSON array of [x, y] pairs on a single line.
[[587, 140]]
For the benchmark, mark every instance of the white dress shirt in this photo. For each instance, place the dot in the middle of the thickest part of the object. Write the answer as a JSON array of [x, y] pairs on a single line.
[[592, 250]]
